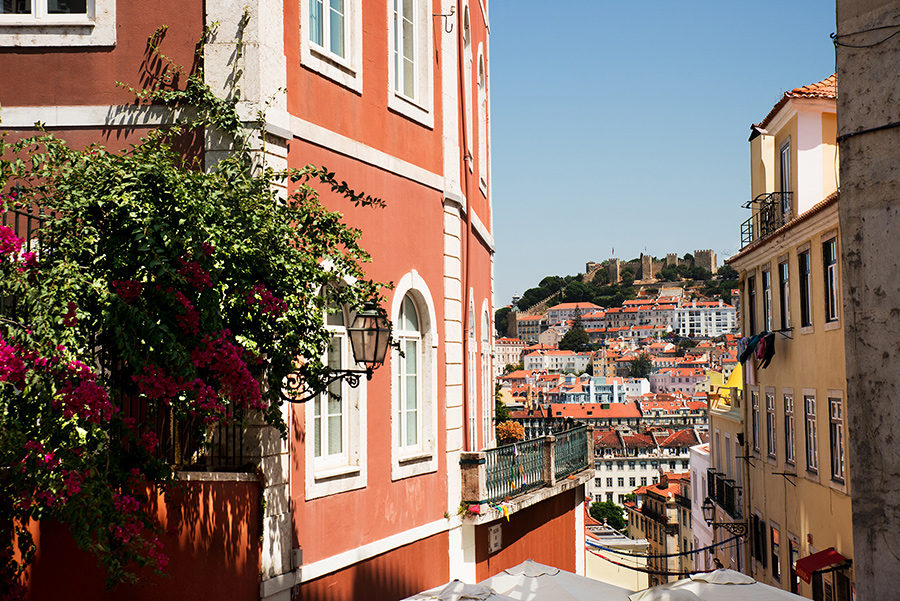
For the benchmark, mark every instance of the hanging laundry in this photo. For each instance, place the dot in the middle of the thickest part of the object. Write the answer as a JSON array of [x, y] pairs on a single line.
[[770, 350], [761, 347], [751, 347]]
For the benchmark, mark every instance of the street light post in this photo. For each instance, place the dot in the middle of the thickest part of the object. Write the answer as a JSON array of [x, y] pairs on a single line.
[[709, 515]]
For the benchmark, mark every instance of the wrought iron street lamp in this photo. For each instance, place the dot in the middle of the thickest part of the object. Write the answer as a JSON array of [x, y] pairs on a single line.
[[370, 335], [709, 515]]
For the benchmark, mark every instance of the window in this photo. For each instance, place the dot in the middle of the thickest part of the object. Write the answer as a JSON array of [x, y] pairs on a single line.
[[786, 178], [609, 497], [328, 27], [770, 424], [767, 300], [754, 405], [482, 121], [403, 51], [751, 305], [632, 482], [620, 465], [413, 379], [467, 79], [57, 23], [621, 481], [643, 481], [609, 481], [775, 536], [335, 455], [784, 298], [836, 435], [805, 305], [331, 40], [812, 457], [411, 89], [486, 392], [473, 386], [408, 375], [829, 262], [789, 428]]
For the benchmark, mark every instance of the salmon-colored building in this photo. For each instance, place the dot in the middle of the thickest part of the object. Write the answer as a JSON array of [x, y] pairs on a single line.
[[363, 500]]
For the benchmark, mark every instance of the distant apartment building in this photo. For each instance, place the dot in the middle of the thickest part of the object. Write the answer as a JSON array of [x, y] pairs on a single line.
[[673, 410], [507, 351], [564, 312], [655, 515], [528, 327], [678, 379], [624, 459], [704, 319], [546, 419], [557, 361]]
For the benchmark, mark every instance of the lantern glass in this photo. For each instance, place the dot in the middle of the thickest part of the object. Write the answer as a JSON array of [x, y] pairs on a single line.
[[369, 336], [708, 510]]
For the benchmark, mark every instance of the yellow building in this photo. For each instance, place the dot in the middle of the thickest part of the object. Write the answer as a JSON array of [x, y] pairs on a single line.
[[796, 486]]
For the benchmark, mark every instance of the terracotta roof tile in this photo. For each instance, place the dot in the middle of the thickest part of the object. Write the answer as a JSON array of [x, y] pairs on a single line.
[[827, 88]]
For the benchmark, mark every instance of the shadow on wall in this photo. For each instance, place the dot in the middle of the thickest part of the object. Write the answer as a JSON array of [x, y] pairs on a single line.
[[211, 533]]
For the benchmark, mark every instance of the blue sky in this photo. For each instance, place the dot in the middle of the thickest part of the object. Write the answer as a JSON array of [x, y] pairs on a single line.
[[624, 124]]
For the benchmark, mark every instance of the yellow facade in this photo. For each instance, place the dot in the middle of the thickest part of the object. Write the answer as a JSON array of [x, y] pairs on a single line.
[[796, 481]]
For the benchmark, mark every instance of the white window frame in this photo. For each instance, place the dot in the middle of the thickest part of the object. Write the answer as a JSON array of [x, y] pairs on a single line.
[[836, 438], [346, 70], [767, 299], [486, 380], [481, 83], [420, 106], [789, 428], [472, 371], [336, 474], [771, 427], [832, 300], [811, 432], [754, 409], [325, 47], [97, 27], [407, 461], [467, 83], [405, 338]]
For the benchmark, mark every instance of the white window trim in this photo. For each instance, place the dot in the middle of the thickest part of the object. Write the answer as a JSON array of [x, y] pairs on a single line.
[[487, 390], [472, 376], [346, 71], [404, 463], [96, 28], [325, 478], [467, 83], [481, 99], [420, 108]]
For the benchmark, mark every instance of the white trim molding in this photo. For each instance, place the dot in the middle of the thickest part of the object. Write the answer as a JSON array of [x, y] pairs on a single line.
[[346, 70], [96, 28], [420, 107]]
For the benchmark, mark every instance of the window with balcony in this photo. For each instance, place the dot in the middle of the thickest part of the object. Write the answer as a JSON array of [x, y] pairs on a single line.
[[829, 262], [812, 453], [836, 437], [805, 304], [789, 456], [784, 295]]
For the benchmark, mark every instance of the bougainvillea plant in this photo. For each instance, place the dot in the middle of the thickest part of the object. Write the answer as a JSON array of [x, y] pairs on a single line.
[[151, 282]]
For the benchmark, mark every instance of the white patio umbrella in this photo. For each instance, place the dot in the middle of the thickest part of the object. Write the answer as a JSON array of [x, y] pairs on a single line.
[[532, 581], [719, 585], [457, 590]]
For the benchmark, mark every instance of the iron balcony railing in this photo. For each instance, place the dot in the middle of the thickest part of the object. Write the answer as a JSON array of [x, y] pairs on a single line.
[[770, 211], [683, 500], [571, 452], [512, 470], [725, 493]]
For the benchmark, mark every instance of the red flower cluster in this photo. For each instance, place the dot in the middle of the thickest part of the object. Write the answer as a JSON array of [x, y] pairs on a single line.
[[127, 290], [70, 319], [223, 358], [189, 321], [81, 395], [12, 368], [195, 275], [268, 302], [10, 244], [156, 385]]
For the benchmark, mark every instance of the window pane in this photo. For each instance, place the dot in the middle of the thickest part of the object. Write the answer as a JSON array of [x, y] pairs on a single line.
[[66, 7], [334, 316], [408, 9], [336, 27], [15, 7], [317, 427], [409, 319], [409, 87], [334, 434], [315, 22]]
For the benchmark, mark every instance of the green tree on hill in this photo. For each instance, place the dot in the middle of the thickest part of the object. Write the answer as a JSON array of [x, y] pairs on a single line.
[[609, 511], [641, 366]]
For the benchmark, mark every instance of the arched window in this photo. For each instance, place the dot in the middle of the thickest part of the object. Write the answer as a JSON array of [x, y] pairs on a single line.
[[486, 392], [482, 122], [413, 379], [472, 372], [467, 87], [408, 374]]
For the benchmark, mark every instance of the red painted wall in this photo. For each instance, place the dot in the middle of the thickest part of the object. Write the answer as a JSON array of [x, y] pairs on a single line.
[[211, 535], [407, 234], [397, 574], [526, 536], [87, 75]]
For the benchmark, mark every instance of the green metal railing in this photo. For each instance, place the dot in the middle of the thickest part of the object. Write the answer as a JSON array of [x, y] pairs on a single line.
[[571, 452], [514, 469]]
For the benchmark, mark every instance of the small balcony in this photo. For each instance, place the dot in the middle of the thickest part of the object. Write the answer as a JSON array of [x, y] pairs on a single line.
[[725, 493], [770, 212], [526, 472]]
